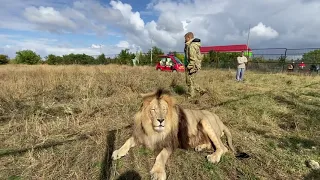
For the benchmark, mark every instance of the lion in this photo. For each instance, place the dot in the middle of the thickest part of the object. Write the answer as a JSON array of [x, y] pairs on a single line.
[[161, 124]]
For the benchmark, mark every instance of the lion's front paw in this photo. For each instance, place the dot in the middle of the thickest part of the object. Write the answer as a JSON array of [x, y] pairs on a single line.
[[117, 154], [199, 148], [214, 158], [158, 174]]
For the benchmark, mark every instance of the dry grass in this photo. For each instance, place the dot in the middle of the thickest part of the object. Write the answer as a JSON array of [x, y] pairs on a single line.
[[55, 122]]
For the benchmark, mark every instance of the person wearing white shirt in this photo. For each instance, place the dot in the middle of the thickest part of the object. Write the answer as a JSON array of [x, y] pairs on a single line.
[[241, 60]]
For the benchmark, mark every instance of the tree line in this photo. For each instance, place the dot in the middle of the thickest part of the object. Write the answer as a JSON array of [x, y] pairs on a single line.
[[125, 57]]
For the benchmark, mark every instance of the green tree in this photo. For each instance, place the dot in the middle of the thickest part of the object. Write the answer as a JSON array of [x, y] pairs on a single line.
[[4, 59], [27, 57], [143, 59], [180, 56], [226, 59], [102, 59], [282, 61], [54, 60], [210, 58], [258, 59], [155, 55], [312, 57], [78, 59], [125, 57]]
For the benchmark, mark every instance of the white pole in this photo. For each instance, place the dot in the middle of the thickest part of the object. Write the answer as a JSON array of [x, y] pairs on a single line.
[[151, 51], [248, 40]]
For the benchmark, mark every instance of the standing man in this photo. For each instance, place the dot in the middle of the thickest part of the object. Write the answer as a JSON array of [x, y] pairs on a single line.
[[193, 58], [242, 60]]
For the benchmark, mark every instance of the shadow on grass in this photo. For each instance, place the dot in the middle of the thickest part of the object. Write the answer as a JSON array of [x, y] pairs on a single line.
[[178, 89], [303, 114], [296, 143], [312, 94], [292, 143], [130, 175], [256, 131], [313, 175], [312, 84], [6, 152], [106, 170], [239, 99]]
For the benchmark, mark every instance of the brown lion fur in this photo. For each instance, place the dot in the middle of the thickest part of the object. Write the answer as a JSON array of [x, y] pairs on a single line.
[[169, 139], [163, 125], [178, 137]]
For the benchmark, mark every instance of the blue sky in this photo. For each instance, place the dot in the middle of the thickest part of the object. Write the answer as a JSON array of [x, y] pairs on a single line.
[[83, 39], [81, 26]]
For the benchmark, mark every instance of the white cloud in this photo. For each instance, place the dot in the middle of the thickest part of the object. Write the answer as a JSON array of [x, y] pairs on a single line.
[[126, 45], [129, 18], [96, 46], [44, 47], [48, 18], [263, 31], [215, 22], [167, 23], [123, 44]]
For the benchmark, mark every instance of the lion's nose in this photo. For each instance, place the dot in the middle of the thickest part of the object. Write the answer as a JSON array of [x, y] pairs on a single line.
[[160, 120]]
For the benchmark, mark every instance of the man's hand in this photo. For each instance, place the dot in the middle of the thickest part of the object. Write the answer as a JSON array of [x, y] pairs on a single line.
[[192, 68]]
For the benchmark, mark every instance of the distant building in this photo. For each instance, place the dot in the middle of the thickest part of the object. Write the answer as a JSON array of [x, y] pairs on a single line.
[[228, 48]]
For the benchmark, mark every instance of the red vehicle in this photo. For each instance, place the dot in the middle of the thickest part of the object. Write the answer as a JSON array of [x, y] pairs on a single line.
[[170, 63]]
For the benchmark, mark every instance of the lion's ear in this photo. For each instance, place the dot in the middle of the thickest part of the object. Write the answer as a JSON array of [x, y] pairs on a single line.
[[169, 99], [147, 100], [145, 95]]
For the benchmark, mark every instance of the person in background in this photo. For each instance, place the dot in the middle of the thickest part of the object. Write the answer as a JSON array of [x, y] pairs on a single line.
[[241, 60], [302, 65], [290, 67]]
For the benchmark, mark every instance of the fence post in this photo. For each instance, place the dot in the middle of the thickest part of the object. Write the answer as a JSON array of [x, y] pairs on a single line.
[[284, 60], [285, 55]]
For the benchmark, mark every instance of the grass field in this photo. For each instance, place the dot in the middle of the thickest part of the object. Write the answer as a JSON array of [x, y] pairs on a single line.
[[59, 122]]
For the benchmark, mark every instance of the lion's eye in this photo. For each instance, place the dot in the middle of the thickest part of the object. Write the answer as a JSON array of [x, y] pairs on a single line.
[[153, 109]]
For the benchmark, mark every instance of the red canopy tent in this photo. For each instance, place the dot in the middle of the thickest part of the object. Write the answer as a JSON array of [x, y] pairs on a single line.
[[229, 48]]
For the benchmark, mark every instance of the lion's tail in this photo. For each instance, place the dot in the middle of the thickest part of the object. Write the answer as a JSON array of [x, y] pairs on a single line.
[[229, 139]]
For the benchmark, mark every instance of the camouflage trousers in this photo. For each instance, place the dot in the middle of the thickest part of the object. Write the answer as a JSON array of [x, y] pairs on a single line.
[[192, 86]]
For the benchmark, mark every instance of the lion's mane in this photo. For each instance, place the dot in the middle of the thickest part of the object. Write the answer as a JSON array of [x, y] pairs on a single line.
[[175, 137]]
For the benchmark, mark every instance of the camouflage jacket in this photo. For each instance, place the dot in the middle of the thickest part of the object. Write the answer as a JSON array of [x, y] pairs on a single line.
[[192, 51]]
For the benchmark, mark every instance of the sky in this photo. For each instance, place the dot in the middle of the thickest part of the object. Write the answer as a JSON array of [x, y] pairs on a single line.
[[101, 26]]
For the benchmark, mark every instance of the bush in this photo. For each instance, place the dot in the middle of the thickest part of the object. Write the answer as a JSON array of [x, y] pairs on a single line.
[[54, 60], [27, 57], [78, 59], [180, 56], [4, 59], [102, 59]]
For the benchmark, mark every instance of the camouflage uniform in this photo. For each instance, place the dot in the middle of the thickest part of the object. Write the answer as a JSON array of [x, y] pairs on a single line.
[[193, 65]]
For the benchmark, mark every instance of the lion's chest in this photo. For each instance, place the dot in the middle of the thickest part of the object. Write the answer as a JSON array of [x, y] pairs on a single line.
[[159, 141]]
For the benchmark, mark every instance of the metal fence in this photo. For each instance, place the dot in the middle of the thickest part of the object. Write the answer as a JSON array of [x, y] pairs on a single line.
[[267, 59], [275, 55]]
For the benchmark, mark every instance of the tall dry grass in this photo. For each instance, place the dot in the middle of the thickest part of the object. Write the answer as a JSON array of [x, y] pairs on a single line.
[[55, 121]]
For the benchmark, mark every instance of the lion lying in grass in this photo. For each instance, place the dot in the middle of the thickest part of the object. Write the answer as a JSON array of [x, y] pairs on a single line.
[[162, 125]]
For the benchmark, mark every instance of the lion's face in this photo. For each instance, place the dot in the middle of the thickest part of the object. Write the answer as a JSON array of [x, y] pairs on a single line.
[[158, 114], [158, 111]]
